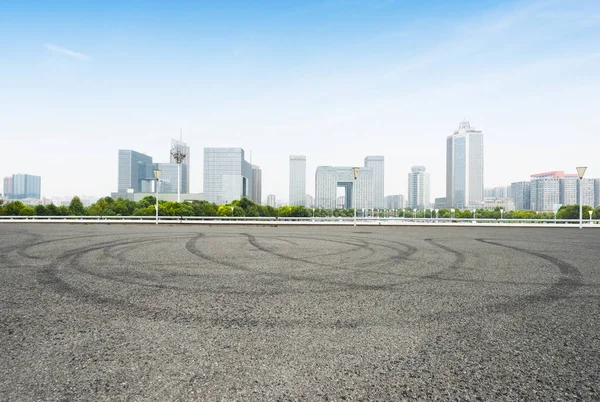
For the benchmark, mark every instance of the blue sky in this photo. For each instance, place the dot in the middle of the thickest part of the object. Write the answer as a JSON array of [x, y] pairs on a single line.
[[335, 80]]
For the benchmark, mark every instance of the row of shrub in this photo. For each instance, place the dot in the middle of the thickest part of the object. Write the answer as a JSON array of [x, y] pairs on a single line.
[[108, 206]]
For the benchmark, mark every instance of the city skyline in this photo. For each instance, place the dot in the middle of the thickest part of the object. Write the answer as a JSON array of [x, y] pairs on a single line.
[[330, 80]]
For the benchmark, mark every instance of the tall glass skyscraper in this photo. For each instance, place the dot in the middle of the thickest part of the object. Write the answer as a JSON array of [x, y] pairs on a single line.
[[297, 180], [227, 175], [377, 164], [418, 188], [464, 167]]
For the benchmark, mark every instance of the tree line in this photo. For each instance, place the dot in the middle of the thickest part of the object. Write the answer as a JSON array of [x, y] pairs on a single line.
[[245, 207]]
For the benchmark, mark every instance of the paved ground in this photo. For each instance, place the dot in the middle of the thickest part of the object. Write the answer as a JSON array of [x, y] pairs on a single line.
[[186, 312]]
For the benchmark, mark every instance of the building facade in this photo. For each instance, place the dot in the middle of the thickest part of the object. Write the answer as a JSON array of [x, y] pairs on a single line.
[[136, 173], [418, 188], [23, 186], [588, 192], [377, 164], [7, 186], [464, 167], [545, 191], [297, 181], [394, 201], [272, 200], [256, 184], [169, 175], [227, 175], [521, 195], [596, 193], [358, 193], [310, 201], [568, 189]]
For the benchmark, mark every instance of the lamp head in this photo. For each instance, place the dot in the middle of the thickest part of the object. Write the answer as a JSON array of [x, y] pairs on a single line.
[[581, 171]]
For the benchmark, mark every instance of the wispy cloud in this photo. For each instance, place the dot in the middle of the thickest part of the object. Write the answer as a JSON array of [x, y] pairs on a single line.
[[62, 50]]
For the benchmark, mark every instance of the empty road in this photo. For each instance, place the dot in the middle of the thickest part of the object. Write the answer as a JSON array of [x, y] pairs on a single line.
[[145, 312]]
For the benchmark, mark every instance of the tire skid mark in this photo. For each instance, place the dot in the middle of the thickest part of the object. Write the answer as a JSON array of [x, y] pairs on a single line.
[[192, 248], [22, 251], [253, 241], [364, 245], [568, 283], [458, 262]]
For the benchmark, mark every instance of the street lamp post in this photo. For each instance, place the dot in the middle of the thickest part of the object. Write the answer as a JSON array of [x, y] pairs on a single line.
[[581, 171], [452, 213], [415, 213], [437, 210], [474, 210], [179, 156], [501, 214], [355, 171], [157, 177], [591, 212]]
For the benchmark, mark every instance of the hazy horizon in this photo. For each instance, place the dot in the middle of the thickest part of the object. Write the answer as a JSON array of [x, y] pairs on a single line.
[[334, 80]]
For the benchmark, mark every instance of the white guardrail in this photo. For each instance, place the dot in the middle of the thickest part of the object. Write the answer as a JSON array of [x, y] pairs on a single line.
[[269, 221]]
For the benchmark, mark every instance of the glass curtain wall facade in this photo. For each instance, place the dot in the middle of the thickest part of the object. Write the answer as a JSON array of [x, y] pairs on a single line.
[[25, 186], [464, 167], [376, 163], [135, 170], [329, 178], [297, 180], [588, 192], [227, 175], [418, 188], [169, 175]]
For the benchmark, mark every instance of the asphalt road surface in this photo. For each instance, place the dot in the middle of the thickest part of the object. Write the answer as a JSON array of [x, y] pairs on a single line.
[[178, 312]]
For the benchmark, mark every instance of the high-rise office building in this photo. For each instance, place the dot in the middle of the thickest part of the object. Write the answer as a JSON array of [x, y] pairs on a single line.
[[464, 167], [521, 195], [377, 164], [569, 184], [227, 175], [297, 180], [271, 200], [7, 186], [545, 191], [596, 193], [418, 188], [587, 191], [23, 186], [256, 184], [182, 147], [136, 173], [310, 201], [358, 193]]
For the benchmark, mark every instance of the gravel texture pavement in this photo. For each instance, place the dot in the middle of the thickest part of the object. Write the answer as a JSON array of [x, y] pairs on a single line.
[[144, 312]]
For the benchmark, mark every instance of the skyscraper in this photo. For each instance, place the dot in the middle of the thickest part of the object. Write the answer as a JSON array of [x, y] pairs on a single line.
[[377, 164], [464, 167], [521, 195], [136, 173], [227, 175], [394, 201], [25, 186], [569, 184], [271, 200], [596, 193], [418, 188], [169, 175], [256, 184], [297, 180], [329, 178]]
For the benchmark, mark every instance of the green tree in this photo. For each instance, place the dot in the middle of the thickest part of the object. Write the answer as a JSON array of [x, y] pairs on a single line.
[[17, 208], [40, 210], [76, 207]]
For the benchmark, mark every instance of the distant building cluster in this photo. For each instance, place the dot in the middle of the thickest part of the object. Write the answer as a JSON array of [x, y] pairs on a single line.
[[22, 187]]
